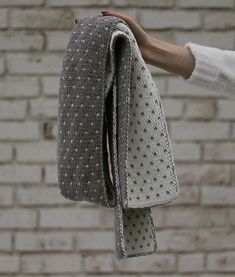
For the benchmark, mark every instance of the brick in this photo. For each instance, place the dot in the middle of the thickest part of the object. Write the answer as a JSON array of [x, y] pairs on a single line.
[[9, 263], [33, 196], [226, 109], [154, 263], [188, 195], [210, 174], [5, 242], [223, 151], [6, 196], [195, 217], [21, 3], [177, 87], [148, 3], [34, 63], [85, 3], [12, 109], [232, 217], [3, 19], [24, 41], [50, 130], [160, 83], [185, 131], [98, 263], [217, 195], [169, 19], [115, 275], [172, 108], [18, 87], [2, 67], [52, 275], [219, 20], [200, 109], [51, 174], [51, 263], [194, 240], [43, 107], [17, 218], [55, 130], [57, 40], [178, 275], [205, 4], [70, 218], [61, 275], [83, 11], [222, 262], [50, 86], [186, 151], [19, 130], [36, 152], [232, 174], [216, 239], [217, 275], [94, 240], [38, 242], [223, 40], [106, 218], [158, 217], [233, 130], [20, 174], [40, 19], [6, 152], [178, 240], [191, 262]]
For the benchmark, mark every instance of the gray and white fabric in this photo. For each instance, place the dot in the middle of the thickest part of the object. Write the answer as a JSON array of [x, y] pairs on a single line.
[[113, 142]]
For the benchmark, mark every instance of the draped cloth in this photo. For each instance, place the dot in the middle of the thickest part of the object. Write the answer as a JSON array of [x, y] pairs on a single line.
[[113, 146]]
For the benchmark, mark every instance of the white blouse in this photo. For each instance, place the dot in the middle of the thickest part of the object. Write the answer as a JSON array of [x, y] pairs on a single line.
[[214, 68]]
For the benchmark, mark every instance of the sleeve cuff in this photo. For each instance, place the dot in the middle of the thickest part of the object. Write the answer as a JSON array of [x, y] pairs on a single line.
[[207, 61]]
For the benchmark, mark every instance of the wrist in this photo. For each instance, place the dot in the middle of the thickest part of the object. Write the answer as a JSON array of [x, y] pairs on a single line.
[[170, 57], [157, 52]]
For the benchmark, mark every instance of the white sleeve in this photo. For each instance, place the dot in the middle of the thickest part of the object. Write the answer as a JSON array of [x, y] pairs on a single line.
[[214, 68]]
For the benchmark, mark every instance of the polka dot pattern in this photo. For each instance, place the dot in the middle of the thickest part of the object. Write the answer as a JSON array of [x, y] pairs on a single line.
[[113, 143], [151, 177]]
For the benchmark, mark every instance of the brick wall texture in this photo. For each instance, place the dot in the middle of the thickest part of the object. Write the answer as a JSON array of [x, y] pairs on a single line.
[[42, 233]]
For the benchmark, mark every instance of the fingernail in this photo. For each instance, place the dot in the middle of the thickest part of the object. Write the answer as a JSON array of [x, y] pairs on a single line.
[[104, 12]]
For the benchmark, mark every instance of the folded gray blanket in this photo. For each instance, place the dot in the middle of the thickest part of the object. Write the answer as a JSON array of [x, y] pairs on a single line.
[[113, 142]]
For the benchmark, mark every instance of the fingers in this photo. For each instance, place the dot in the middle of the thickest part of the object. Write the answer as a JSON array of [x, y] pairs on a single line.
[[125, 17]]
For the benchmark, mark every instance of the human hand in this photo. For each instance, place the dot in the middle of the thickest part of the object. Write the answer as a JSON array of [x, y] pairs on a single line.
[[143, 39], [170, 57]]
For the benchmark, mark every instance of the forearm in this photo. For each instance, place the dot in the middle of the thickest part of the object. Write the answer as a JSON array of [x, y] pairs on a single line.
[[170, 57]]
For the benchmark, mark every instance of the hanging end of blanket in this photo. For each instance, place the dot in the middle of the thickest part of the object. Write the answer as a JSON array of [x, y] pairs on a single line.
[[135, 233]]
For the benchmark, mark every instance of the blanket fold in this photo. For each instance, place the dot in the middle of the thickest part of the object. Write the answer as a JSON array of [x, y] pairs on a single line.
[[113, 146]]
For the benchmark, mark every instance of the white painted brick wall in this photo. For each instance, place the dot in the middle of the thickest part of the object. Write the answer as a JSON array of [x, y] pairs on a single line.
[[20, 40], [191, 262], [170, 19], [51, 263], [40, 242], [34, 63], [3, 19], [44, 234], [195, 130], [19, 87]]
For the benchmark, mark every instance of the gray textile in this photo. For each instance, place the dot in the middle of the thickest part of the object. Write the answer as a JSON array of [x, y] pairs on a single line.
[[113, 144]]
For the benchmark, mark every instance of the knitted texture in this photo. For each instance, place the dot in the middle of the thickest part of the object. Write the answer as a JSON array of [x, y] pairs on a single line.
[[113, 142]]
